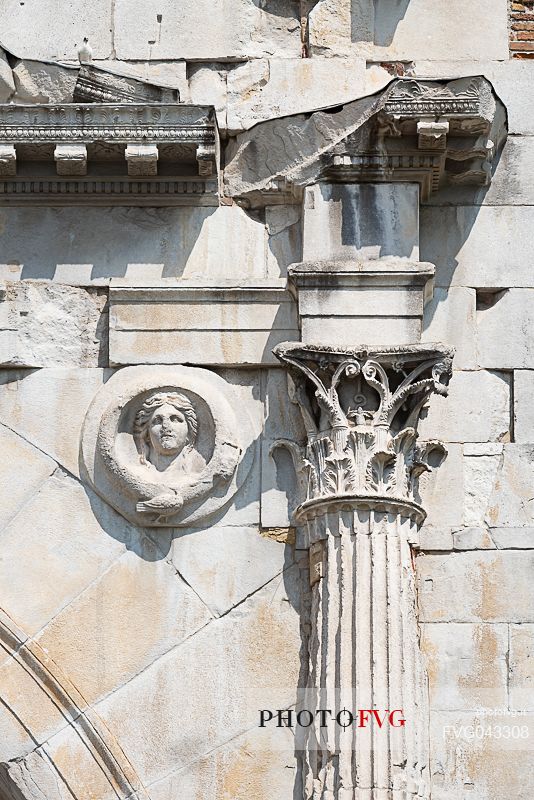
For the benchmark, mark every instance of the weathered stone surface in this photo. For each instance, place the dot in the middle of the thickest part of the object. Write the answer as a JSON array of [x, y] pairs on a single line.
[[523, 406], [498, 486], [32, 707], [466, 664], [458, 419], [73, 759], [522, 667], [7, 84], [513, 538], [442, 490], [46, 325], [34, 775], [258, 764], [167, 74], [207, 85], [507, 76], [337, 222], [473, 539], [226, 565], [279, 492], [450, 316], [503, 331], [47, 408], [478, 246], [485, 586], [207, 326], [206, 31], [34, 29], [206, 246], [250, 653], [19, 458], [124, 621], [38, 82], [432, 538], [284, 239], [73, 547], [470, 758], [421, 29], [265, 88]]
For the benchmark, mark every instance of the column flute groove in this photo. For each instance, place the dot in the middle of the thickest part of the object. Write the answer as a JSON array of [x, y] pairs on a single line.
[[360, 517]]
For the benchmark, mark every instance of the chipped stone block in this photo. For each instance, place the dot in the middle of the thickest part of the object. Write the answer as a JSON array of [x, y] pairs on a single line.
[[265, 88], [524, 406], [125, 620], [205, 31], [207, 85], [8, 161], [466, 665], [522, 667], [7, 84], [478, 246], [71, 159], [53, 325], [457, 418], [37, 82], [166, 74], [483, 586], [480, 475], [47, 407], [36, 29], [472, 539], [501, 343], [450, 316]]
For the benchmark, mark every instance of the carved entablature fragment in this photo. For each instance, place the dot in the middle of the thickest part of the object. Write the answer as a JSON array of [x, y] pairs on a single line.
[[87, 153], [434, 133], [361, 410], [163, 445]]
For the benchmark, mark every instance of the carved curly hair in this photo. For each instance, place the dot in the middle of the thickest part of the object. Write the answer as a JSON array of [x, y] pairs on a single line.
[[180, 402]]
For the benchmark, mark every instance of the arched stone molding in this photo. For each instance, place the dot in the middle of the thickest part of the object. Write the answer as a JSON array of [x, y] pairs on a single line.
[[106, 759]]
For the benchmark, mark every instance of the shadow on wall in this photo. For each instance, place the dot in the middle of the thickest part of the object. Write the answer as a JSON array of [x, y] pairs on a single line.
[[441, 242], [387, 15], [153, 239]]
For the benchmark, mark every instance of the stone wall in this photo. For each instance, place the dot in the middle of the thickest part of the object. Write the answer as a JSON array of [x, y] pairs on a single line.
[[134, 659]]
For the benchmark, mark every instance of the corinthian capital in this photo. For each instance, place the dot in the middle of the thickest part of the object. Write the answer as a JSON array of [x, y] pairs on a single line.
[[361, 409]]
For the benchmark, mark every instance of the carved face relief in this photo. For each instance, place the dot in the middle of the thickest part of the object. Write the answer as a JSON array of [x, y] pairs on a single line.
[[162, 444], [165, 427]]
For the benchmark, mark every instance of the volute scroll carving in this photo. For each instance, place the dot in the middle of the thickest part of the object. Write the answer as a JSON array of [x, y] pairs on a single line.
[[361, 409], [162, 445]]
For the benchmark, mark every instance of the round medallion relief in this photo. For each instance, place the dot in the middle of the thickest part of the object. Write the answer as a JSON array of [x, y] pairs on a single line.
[[163, 445]]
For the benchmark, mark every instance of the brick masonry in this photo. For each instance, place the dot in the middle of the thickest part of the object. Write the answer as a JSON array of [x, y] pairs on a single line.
[[522, 29]]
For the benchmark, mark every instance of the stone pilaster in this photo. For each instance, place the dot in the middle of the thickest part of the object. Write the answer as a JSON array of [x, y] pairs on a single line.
[[358, 473]]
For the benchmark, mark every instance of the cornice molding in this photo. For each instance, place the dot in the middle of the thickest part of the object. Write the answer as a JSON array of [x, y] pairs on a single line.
[[155, 153], [433, 133]]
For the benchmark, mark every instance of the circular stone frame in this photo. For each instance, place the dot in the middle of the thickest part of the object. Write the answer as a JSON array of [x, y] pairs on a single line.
[[111, 463]]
